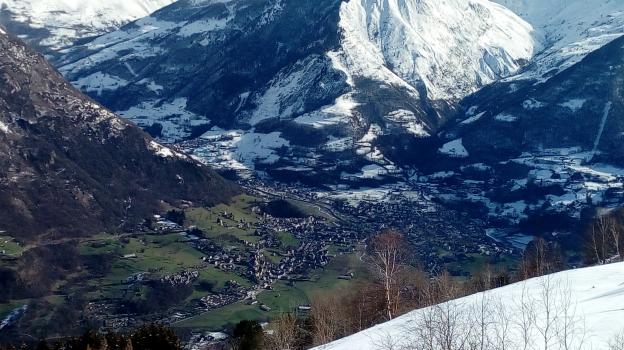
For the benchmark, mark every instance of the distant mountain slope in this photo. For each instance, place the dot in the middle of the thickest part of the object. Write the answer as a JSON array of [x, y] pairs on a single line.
[[212, 62], [70, 167], [580, 107], [567, 30], [54, 24], [584, 306], [291, 84], [451, 48]]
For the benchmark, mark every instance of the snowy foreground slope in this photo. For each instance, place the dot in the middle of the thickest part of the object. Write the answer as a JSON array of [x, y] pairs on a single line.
[[586, 304], [54, 24]]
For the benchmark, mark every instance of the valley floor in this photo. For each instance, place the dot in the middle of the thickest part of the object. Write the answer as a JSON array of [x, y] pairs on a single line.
[[247, 265]]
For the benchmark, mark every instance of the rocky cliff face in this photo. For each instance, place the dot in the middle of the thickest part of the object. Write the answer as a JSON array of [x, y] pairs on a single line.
[[70, 167]]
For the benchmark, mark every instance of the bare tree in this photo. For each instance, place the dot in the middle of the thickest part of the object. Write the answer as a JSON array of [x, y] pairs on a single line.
[[365, 306], [502, 318], [327, 319], [443, 288], [285, 333], [547, 322], [482, 280], [453, 328], [386, 341], [617, 341], [615, 233], [540, 258], [445, 326], [422, 331], [571, 327], [387, 255], [525, 318], [414, 283], [482, 318], [600, 237]]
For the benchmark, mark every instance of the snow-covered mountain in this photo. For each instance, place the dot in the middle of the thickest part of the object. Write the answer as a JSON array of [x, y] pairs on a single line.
[[568, 30], [54, 24], [577, 309], [354, 90], [292, 85], [559, 123], [578, 107], [450, 47]]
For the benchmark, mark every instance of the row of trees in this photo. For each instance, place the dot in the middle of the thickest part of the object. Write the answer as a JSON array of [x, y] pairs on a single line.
[[605, 242], [539, 315], [395, 287], [398, 286], [536, 315], [146, 337]]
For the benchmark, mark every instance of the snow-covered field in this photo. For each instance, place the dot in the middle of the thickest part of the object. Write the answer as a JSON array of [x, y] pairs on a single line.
[[175, 118], [454, 148], [565, 169], [582, 308], [237, 149]]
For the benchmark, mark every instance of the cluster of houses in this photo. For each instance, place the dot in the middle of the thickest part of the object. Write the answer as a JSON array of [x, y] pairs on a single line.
[[295, 264], [217, 300], [429, 228], [313, 229], [183, 278], [103, 313], [225, 261]]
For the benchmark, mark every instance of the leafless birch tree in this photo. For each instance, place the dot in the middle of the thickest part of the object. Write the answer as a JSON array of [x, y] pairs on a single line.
[[387, 255]]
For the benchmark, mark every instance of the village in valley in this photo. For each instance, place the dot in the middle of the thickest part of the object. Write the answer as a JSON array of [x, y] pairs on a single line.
[[272, 249], [266, 252]]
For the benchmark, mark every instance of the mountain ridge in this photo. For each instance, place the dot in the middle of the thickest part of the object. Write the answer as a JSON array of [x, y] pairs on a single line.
[[71, 167], [312, 97]]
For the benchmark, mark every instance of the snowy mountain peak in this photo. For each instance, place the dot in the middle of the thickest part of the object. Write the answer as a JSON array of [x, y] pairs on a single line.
[[303, 83], [54, 24], [451, 47], [568, 30]]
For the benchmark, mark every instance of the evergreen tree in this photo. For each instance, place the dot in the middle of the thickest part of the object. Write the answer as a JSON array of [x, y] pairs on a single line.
[[155, 336], [248, 335]]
